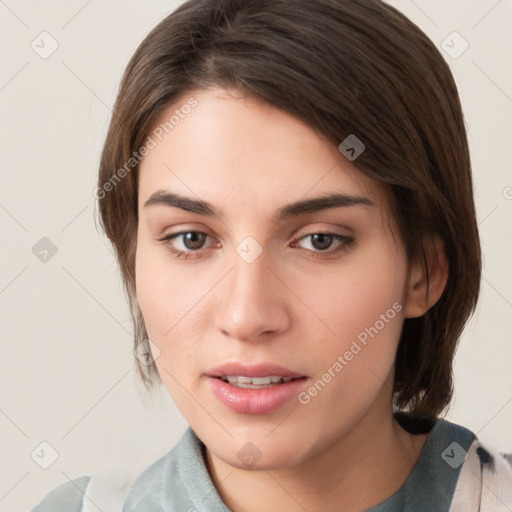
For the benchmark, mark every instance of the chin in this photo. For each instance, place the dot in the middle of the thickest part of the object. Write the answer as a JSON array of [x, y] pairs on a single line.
[[256, 450], [270, 460]]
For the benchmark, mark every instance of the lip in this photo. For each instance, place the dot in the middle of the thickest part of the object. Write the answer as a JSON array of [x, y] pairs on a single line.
[[252, 370], [254, 401]]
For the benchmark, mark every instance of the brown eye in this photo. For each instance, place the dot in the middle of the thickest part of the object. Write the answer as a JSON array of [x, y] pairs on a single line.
[[321, 241], [188, 244], [321, 244], [193, 240]]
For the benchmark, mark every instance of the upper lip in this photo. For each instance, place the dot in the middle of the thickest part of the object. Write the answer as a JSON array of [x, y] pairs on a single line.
[[252, 370]]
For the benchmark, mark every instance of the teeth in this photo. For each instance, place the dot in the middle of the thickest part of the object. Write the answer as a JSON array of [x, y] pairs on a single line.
[[254, 382]]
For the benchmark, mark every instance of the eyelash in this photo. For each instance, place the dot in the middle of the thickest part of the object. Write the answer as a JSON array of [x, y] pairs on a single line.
[[345, 243]]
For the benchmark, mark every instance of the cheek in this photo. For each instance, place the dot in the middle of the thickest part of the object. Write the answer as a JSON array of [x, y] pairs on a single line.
[[153, 291], [353, 295], [157, 298], [166, 303], [165, 292], [361, 305], [171, 299]]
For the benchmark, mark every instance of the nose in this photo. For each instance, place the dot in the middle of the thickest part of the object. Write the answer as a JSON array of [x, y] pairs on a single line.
[[252, 302]]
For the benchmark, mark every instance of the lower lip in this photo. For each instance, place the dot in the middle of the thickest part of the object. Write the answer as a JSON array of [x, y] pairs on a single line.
[[255, 401]]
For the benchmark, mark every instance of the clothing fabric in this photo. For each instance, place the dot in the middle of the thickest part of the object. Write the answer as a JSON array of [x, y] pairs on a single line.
[[455, 473]]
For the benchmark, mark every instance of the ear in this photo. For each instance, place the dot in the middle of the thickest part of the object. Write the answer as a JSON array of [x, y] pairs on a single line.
[[423, 292]]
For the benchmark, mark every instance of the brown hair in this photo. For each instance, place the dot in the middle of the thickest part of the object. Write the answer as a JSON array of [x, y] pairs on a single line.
[[342, 67]]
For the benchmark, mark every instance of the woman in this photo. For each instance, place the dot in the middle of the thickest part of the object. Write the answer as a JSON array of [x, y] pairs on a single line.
[[287, 187]]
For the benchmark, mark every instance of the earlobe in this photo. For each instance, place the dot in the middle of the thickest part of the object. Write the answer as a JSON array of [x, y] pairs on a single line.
[[427, 281]]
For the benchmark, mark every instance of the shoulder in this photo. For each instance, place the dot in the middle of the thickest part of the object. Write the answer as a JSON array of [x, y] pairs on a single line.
[[67, 497], [458, 471], [103, 490], [179, 481], [485, 480], [164, 485], [165, 480]]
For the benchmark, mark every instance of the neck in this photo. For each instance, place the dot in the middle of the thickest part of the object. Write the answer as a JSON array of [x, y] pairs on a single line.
[[361, 469]]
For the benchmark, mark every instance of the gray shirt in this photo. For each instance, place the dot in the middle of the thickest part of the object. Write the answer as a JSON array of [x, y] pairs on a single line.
[[179, 481]]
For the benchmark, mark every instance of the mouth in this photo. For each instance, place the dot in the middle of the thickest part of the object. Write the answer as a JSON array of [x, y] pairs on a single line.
[[261, 374], [240, 381], [255, 389]]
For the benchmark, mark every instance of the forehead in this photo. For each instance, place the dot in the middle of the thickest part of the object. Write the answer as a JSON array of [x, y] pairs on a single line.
[[238, 151]]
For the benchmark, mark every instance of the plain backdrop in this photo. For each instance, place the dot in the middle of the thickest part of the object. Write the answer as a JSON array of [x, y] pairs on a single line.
[[67, 376]]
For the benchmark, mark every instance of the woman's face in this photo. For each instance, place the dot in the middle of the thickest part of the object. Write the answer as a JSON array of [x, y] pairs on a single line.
[[262, 288]]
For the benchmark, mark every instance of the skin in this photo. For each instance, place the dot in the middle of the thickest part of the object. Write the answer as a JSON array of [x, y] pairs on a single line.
[[287, 307]]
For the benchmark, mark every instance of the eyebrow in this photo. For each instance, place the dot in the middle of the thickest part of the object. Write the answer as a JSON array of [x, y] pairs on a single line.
[[315, 204]]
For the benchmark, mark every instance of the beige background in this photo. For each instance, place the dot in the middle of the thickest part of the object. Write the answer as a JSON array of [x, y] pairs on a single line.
[[66, 361]]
